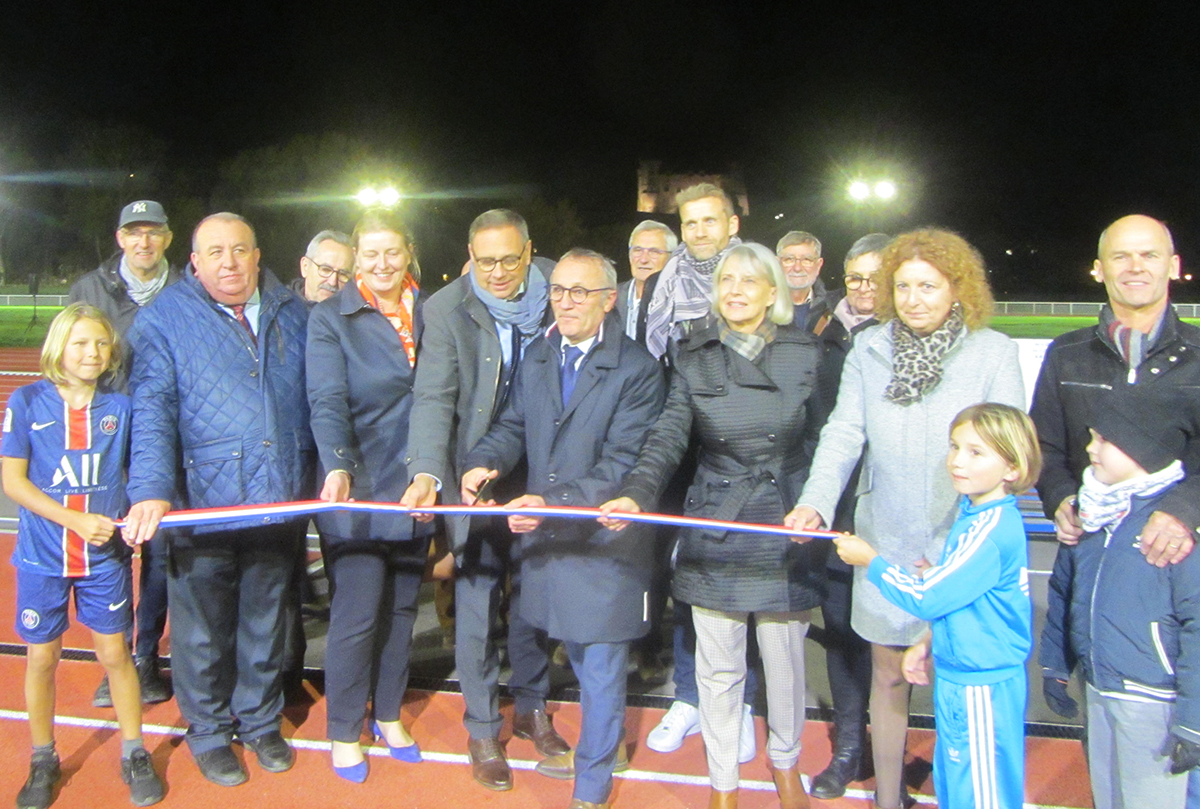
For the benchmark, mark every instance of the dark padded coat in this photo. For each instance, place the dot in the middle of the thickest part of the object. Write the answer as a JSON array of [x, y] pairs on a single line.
[[105, 289], [579, 581], [217, 420], [360, 391], [1079, 366], [756, 423]]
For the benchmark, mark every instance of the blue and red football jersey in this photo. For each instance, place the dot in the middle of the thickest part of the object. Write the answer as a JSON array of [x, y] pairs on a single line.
[[78, 458]]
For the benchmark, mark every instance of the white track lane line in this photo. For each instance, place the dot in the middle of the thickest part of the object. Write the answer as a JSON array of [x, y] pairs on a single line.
[[459, 758]]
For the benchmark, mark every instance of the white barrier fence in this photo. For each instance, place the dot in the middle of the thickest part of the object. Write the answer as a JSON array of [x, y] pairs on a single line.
[[1059, 309]]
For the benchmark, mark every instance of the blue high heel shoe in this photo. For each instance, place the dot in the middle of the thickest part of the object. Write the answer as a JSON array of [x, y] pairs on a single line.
[[356, 773], [410, 754]]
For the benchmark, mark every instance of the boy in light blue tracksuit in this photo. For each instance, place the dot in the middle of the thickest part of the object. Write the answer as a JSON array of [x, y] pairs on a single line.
[[977, 598], [1134, 627]]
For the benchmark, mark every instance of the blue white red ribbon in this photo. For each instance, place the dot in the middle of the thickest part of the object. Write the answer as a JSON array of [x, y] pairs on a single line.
[[207, 516]]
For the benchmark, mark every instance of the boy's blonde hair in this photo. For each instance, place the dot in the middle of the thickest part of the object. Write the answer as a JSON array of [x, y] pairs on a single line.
[[1010, 432], [60, 331]]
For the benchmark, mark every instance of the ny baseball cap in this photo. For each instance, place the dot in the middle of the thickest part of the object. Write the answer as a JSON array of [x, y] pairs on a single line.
[[143, 210]]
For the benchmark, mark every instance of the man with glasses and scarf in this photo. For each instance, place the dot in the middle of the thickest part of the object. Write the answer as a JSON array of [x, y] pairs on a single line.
[[477, 329]]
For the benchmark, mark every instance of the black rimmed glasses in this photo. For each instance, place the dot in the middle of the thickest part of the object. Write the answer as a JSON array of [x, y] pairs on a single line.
[[508, 263], [856, 281], [577, 294], [325, 272]]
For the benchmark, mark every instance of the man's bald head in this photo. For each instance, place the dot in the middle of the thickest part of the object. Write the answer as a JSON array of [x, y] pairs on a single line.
[[1136, 260], [1136, 220]]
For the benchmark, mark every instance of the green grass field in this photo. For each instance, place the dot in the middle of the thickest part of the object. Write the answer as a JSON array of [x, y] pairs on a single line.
[[16, 330]]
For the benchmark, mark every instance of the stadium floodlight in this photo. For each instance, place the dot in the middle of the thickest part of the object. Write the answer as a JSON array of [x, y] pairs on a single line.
[[859, 191], [885, 189], [367, 197], [389, 197]]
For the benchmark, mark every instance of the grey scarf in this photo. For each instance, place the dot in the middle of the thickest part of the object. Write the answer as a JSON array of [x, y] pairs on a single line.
[[142, 292], [525, 313]]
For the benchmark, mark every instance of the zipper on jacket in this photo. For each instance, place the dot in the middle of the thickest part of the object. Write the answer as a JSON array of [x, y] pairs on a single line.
[[1092, 606], [1158, 647]]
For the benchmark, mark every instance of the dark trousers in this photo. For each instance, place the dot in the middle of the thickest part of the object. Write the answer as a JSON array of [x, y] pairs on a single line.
[[847, 660], [227, 596], [600, 668], [372, 612], [295, 644], [684, 675], [484, 565], [151, 615]]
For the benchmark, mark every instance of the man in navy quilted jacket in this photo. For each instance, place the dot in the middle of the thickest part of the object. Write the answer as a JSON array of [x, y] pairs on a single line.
[[221, 419]]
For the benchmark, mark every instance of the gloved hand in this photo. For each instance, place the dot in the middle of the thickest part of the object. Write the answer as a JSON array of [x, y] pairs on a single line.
[[1055, 692], [1185, 755]]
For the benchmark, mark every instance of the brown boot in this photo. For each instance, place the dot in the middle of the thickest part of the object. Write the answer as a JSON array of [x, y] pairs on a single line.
[[722, 800], [790, 788]]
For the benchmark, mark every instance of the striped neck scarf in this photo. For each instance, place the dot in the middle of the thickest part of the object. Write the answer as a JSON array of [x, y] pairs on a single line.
[[749, 345], [402, 319]]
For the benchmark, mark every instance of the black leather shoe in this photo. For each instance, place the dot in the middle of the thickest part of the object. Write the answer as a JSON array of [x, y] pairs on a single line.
[[221, 767], [155, 687], [38, 792], [274, 754], [831, 782], [536, 727]]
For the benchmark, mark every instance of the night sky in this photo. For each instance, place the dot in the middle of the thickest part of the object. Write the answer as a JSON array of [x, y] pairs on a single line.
[[1026, 128]]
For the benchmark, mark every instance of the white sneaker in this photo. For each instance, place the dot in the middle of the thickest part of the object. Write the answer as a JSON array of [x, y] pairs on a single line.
[[681, 720], [747, 746]]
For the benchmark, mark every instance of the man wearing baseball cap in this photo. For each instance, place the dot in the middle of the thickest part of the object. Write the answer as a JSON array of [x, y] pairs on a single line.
[[119, 287]]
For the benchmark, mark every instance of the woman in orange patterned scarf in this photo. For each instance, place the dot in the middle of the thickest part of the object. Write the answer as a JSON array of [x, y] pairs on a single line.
[[360, 367]]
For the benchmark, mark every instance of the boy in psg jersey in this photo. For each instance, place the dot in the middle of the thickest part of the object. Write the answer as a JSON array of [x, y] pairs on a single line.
[[65, 442]]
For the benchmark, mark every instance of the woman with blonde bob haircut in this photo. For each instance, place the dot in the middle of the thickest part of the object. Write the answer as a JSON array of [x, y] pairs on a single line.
[[60, 333], [744, 385], [903, 383], [762, 262]]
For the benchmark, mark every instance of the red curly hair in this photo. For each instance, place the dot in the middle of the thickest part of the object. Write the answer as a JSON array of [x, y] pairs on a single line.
[[952, 256]]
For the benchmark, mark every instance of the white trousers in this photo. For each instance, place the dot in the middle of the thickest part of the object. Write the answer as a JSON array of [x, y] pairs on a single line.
[[721, 679]]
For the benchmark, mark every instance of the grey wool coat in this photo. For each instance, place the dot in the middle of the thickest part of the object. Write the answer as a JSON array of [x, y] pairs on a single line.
[[581, 582], [906, 501], [756, 426], [457, 389]]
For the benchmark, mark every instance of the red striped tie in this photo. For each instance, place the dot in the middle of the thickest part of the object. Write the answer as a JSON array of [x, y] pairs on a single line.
[[239, 312]]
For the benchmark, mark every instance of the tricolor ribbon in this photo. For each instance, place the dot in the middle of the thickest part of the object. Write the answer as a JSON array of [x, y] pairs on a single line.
[[206, 516]]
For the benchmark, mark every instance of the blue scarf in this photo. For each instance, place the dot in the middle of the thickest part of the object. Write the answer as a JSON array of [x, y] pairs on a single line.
[[525, 313]]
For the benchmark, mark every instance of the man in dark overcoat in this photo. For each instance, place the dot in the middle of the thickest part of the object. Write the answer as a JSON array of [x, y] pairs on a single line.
[[584, 400]]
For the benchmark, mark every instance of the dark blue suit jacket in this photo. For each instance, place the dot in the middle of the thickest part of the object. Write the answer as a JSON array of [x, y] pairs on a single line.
[[360, 393]]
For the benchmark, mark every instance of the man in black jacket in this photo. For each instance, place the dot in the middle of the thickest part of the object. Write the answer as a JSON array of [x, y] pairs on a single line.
[[119, 287], [1138, 341], [800, 254]]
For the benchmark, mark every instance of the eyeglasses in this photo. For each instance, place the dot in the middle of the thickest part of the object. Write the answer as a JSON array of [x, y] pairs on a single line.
[[653, 252], [856, 281], [509, 263], [792, 261], [138, 233], [578, 294], [325, 271]]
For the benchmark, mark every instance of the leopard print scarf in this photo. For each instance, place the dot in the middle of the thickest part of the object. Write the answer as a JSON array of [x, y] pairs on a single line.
[[917, 360]]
